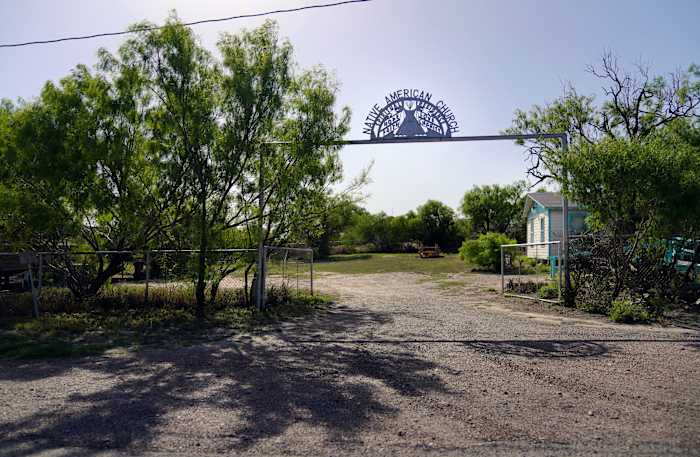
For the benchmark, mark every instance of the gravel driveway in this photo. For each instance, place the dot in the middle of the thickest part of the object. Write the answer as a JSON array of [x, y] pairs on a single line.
[[399, 366]]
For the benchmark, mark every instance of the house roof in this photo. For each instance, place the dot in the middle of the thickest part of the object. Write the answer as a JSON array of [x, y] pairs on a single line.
[[546, 199], [549, 199]]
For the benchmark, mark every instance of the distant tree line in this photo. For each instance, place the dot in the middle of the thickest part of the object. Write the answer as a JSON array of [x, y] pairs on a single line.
[[347, 227]]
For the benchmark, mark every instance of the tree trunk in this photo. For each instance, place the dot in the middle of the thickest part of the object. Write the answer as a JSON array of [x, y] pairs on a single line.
[[247, 296], [113, 267], [201, 264]]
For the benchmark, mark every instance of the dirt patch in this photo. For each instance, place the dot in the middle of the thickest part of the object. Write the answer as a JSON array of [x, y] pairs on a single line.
[[398, 366]]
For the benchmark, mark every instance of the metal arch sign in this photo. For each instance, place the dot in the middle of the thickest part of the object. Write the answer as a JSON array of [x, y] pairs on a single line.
[[410, 113]]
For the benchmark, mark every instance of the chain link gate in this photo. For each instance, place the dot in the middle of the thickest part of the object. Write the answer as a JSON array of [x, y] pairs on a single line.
[[289, 269]]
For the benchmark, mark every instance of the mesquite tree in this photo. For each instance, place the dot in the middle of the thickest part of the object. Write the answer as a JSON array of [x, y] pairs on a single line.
[[76, 175], [164, 145], [632, 164]]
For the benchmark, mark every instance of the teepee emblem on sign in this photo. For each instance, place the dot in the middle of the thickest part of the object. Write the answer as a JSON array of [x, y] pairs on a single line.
[[410, 113]]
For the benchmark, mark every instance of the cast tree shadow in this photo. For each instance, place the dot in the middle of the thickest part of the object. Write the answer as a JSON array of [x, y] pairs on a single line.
[[240, 392], [542, 348]]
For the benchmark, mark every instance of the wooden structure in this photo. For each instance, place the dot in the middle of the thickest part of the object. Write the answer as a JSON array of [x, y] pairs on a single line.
[[429, 252]]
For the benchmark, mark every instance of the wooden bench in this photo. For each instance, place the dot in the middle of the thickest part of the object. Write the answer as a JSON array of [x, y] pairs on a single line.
[[429, 252]]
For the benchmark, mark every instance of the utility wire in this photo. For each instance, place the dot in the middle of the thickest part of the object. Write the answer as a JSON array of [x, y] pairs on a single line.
[[204, 21]]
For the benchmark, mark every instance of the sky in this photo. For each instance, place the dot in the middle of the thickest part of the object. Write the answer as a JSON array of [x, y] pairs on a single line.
[[484, 58]]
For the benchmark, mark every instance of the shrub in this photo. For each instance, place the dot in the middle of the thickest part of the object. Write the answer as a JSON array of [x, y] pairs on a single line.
[[524, 264], [543, 268], [485, 251], [548, 291], [523, 287], [628, 311]]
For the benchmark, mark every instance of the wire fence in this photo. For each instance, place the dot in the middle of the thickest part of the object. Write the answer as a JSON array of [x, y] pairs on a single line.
[[532, 271], [63, 281]]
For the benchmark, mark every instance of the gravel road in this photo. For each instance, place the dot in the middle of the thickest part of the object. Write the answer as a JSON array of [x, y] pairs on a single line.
[[399, 366]]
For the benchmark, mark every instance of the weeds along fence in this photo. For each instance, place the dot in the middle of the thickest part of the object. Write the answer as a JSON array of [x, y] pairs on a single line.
[[532, 271], [77, 281]]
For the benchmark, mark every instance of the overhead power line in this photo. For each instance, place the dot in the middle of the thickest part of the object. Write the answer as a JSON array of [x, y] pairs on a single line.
[[203, 21]]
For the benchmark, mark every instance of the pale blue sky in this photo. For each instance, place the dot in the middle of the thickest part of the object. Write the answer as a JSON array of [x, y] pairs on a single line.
[[484, 58]]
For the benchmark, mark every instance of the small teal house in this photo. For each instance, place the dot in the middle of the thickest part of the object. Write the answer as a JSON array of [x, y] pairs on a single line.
[[544, 222]]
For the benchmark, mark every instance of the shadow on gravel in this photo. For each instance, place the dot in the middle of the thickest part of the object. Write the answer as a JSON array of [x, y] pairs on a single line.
[[542, 349], [524, 348], [230, 395], [694, 345]]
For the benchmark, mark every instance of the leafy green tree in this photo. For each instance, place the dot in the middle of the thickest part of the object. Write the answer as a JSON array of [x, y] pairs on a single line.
[[437, 223], [629, 187], [76, 176], [636, 105], [335, 220], [485, 250], [166, 145], [637, 109], [495, 208], [183, 84], [243, 148], [293, 176]]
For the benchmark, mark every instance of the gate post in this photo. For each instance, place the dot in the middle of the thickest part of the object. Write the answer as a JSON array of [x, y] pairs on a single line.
[[312, 271], [565, 230]]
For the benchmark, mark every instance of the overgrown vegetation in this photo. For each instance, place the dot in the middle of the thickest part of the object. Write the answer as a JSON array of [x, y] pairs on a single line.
[[526, 287], [630, 312], [117, 321], [633, 163], [548, 291], [164, 145], [496, 208]]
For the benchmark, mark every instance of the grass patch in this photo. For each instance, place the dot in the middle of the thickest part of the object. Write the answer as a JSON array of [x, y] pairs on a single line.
[[92, 332], [391, 263], [451, 283], [20, 346]]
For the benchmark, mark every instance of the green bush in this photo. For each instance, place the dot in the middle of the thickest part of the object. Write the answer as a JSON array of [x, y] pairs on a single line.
[[542, 268], [523, 287], [485, 251], [628, 311], [548, 291]]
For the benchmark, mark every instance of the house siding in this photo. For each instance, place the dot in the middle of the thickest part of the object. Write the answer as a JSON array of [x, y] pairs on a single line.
[[552, 229], [576, 224], [538, 213]]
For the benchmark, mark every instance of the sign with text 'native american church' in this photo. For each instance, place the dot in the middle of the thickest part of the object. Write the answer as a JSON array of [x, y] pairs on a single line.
[[410, 113]]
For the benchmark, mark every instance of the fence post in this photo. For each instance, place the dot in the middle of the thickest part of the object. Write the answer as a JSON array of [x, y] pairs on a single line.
[[262, 276], [148, 273], [559, 268], [297, 262], [35, 297], [312, 272], [41, 272], [503, 267], [564, 249]]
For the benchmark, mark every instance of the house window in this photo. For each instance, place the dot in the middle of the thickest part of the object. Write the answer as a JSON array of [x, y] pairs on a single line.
[[578, 224], [532, 230], [542, 230]]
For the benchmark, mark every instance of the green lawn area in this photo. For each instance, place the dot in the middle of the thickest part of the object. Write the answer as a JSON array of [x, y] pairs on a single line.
[[391, 263]]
